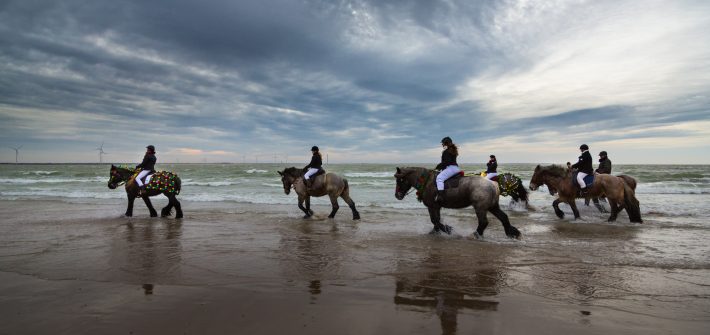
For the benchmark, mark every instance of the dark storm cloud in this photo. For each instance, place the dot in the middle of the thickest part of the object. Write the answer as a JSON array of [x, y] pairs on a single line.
[[359, 73]]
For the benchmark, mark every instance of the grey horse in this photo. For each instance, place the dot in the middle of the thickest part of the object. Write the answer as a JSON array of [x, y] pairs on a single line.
[[474, 190], [330, 183]]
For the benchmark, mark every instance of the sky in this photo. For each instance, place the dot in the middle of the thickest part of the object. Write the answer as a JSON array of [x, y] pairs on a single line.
[[378, 81]]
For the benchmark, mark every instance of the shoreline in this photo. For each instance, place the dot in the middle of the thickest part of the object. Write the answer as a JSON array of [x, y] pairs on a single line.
[[81, 268]]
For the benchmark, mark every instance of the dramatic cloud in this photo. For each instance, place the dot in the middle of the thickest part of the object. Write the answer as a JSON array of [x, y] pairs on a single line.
[[367, 81]]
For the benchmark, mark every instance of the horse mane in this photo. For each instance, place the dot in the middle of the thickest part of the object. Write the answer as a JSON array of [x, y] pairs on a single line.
[[293, 172], [555, 170]]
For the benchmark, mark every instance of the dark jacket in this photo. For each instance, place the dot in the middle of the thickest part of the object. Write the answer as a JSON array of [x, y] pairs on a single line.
[[316, 163], [492, 166], [148, 163], [447, 158], [604, 166], [585, 163]]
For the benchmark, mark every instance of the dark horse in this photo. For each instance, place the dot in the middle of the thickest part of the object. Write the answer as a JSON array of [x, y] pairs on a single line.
[[618, 192], [169, 185], [330, 183], [511, 185], [483, 194]]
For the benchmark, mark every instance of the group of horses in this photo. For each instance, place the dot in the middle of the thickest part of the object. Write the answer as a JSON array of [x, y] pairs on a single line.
[[461, 192]]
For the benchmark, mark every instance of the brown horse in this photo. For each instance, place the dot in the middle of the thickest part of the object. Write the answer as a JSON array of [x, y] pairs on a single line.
[[619, 194], [474, 191], [330, 183], [120, 175], [631, 181]]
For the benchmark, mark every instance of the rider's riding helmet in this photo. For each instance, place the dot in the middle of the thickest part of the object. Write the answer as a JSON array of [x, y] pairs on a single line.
[[446, 140], [314, 148], [583, 147], [493, 156], [151, 148], [602, 154]]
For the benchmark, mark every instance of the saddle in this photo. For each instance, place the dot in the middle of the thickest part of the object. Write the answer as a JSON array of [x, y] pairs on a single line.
[[453, 181], [588, 180], [316, 181]]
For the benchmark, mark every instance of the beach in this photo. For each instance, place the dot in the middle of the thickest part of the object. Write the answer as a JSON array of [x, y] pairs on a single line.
[[75, 265]]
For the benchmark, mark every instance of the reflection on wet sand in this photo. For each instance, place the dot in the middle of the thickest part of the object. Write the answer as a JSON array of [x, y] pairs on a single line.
[[152, 251], [437, 283], [310, 253]]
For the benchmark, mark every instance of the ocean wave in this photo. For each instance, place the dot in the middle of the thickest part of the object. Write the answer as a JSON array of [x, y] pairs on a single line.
[[38, 194], [209, 183], [369, 174], [256, 171], [23, 181], [40, 173]]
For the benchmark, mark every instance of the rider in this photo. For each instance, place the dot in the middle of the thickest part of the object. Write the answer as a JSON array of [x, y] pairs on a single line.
[[604, 164], [448, 166], [314, 166], [492, 167], [584, 166], [147, 166]]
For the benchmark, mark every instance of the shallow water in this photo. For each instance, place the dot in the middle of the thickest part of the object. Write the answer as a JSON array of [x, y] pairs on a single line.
[[584, 276]]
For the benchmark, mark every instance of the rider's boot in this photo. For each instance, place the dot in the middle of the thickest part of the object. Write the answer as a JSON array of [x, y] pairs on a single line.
[[439, 197], [308, 183]]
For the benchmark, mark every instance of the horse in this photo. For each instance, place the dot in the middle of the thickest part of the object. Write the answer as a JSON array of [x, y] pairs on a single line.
[[166, 183], [329, 183], [619, 194], [510, 185], [631, 181], [474, 190]]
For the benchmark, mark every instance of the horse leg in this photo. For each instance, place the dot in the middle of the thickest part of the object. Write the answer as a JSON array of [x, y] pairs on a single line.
[[351, 204], [599, 205], [178, 206], [165, 212], [573, 205], [510, 231], [300, 206], [149, 204], [435, 217], [333, 204], [586, 201], [614, 210], [482, 217], [129, 210], [556, 205], [308, 204]]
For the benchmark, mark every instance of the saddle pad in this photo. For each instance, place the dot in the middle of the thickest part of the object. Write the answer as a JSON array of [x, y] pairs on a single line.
[[162, 181], [453, 182]]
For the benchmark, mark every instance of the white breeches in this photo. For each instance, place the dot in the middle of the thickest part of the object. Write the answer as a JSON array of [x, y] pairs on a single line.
[[447, 173], [491, 175], [580, 179], [141, 175], [309, 173]]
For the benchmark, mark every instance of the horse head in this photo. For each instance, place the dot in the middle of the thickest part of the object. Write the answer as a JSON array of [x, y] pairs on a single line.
[[117, 176], [404, 183], [545, 175], [288, 177], [536, 179]]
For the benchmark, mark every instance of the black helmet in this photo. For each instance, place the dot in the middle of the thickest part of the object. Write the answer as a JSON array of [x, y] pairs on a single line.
[[493, 156], [603, 153], [583, 147], [314, 148], [446, 140], [151, 148]]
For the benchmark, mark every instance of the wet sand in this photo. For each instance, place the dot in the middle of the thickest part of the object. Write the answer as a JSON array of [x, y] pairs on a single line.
[[68, 268]]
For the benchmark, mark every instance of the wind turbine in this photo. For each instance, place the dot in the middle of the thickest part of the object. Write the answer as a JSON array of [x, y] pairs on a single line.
[[101, 152], [17, 152]]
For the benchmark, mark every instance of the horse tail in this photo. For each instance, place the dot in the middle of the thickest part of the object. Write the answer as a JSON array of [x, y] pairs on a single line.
[[346, 187], [178, 184], [522, 192], [628, 180], [632, 204]]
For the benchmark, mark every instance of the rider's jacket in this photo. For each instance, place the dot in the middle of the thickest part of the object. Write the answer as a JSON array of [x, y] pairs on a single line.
[[148, 163], [492, 166], [447, 158], [604, 166], [316, 163], [585, 163]]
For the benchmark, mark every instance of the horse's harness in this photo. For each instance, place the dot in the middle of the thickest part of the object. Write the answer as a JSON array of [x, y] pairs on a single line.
[[419, 185]]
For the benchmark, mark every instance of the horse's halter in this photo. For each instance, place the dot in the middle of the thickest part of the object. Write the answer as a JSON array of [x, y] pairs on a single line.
[[116, 175], [398, 192]]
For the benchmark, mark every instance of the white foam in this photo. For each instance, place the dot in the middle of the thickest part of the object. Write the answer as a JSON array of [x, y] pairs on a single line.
[[24, 181], [370, 174], [256, 171]]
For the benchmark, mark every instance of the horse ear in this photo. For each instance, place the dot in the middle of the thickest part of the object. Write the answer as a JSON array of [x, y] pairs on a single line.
[[280, 173], [537, 167], [113, 167], [399, 170]]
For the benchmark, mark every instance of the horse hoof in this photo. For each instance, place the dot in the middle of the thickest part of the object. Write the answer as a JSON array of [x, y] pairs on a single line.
[[356, 217], [306, 216], [476, 236], [154, 215], [331, 216], [448, 229], [434, 231], [128, 215], [179, 216]]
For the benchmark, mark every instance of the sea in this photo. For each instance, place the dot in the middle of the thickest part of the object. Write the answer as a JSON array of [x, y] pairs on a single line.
[[663, 190]]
